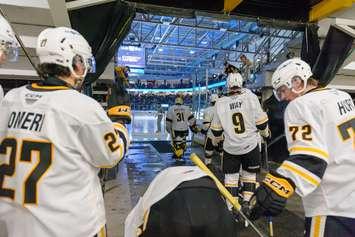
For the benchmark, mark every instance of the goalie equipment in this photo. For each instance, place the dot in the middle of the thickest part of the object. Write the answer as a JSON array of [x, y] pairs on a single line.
[[178, 150], [179, 101]]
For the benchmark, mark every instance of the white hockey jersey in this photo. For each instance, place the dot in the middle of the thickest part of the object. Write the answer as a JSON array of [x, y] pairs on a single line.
[[165, 182], [321, 124], [237, 116], [208, 114], [1, 93], [179, 118], [53, 140]]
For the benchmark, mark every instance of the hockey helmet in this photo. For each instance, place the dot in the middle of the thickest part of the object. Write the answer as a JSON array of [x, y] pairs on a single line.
[[8, 42], [234, 80], [288, 70], [214, 98], [179, 100], [65, 47]]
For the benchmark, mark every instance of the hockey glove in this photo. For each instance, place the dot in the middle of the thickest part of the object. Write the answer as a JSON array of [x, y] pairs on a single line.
[[271, 197], [203, 131], [120, 113], [195, 129]]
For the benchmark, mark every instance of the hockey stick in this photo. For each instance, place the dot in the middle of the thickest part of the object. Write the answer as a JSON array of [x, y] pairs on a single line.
[[22, 45], [269, 218], [195, 159]]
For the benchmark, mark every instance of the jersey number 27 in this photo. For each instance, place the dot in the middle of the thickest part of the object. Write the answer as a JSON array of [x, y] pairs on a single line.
[[41, 149]]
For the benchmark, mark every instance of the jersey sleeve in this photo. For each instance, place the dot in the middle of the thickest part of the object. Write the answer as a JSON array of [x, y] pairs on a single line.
[[1, 93], [190, 117], [123, 134], [207, 119], [169, 120], [216, 126], [308, 153], [102, 145]]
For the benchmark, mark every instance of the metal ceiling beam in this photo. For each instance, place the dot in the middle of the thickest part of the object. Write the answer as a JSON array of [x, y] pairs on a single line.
[[207, 28], [59, 13], [74, 5], [230, 5], [189, 46], [327, 7]]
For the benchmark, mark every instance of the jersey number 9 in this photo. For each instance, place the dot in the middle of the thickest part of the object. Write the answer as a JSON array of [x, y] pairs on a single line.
[[238, 123]]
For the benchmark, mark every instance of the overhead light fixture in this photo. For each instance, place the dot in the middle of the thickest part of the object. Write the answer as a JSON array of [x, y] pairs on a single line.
[[192, 52], [160, 50], [204, 42]]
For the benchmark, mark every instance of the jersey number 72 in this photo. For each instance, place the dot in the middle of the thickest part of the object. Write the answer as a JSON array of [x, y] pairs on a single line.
[[43, 150]]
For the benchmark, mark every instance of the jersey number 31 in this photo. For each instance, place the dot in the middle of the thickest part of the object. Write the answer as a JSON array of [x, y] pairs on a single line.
[[29, 149]]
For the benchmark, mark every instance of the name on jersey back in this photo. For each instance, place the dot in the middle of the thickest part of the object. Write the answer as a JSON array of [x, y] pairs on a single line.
[[345, 106], [235, 105], [26, 120]]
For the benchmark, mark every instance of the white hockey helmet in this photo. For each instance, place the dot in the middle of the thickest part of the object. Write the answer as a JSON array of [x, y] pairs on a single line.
[[288, 70], [213, 98], [63, 46], [234, 80], [8, 42]]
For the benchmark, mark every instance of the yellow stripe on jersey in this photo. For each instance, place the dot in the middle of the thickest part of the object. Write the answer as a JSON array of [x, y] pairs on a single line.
[[308, 150], [298, 172], [102, 232], [318, 226], [213, 127], [36, 86], [263, 120]]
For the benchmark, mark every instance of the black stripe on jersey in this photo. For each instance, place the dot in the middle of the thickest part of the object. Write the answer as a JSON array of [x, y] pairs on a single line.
[[190, 117], [169, 120], [262, 126], [313, 164], [124, 139], [217, 133]]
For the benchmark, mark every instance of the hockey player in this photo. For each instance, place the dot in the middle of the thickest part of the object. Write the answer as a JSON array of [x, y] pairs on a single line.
[[319, 128], [239, 118], [178, 120], [181, 202], [53, 141], [8, 45], [210, 142]]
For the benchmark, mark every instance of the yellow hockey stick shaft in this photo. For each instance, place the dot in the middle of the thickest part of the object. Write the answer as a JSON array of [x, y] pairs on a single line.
[[197, 161]]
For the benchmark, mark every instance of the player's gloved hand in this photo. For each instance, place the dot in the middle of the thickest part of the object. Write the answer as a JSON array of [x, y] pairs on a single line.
[[195, 129], [120, 113], [271, 197]]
